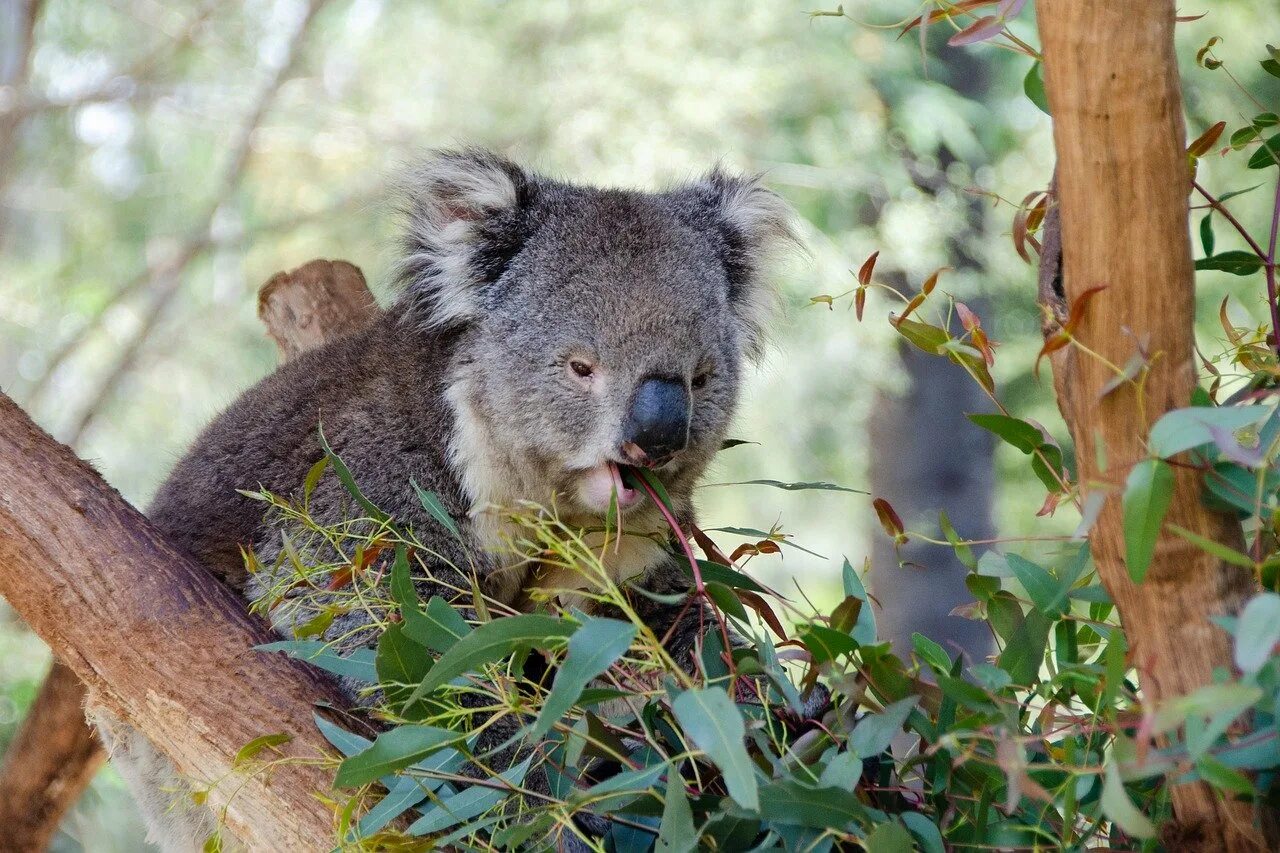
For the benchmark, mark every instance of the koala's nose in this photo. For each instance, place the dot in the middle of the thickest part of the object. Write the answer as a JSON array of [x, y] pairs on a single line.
[[658, 424]]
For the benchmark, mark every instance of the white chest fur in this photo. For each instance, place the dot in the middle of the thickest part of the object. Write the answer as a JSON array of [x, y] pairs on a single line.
[[499, 485]]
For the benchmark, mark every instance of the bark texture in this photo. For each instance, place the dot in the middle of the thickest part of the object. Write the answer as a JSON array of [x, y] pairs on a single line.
[[1122, 190], [56, 753], [47, 765], [317, 302]]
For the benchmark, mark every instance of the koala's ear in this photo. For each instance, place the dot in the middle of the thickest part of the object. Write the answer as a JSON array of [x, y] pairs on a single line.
[[466, 218], [749, 225]]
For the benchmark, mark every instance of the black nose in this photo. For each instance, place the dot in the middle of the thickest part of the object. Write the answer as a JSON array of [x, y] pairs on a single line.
[[658, 423]]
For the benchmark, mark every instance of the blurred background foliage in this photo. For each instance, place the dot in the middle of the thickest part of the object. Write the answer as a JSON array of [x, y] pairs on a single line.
[[159, 161]]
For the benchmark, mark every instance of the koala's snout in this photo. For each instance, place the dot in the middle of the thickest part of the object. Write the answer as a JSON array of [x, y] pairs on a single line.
[[657, 426]]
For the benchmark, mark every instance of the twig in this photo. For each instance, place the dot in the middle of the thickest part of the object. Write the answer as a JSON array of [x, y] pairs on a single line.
[[1268, 257], [1226, 214], [1271, 272], [171, 284]]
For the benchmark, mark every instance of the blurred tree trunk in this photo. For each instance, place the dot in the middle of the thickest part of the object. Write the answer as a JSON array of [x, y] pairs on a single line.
[[17, 43], [1122, 190], [55, 753], [48, 764], [927, 457]]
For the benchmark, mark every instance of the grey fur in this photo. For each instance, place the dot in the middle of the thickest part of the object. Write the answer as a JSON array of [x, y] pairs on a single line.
[[464, 383]]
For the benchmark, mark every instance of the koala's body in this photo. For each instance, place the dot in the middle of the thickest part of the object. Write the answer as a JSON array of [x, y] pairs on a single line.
[[547, 336]]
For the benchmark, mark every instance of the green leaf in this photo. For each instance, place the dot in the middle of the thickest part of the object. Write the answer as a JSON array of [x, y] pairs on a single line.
[[929, 338], [1183, 429], [874, 732], [1015, 431], [1147, 494], [931, 653], [1033, 87], [827, 644], [1235, 193], [621, 788], [1223, 777], [721, 574], [393, 750], [312, 479], [257, 745], [1258, 631], [676, 833], [925, 831], [1117, 806], [725, 599], [1025, 646], [431, 503], [1240, 139], [593, 648], [1236, 262], [843, 771], [440, 627], [468, 803], [349, 482], [1209, 700], [789, 801], [891, 837], [1268, 154], [864, 632], [348, 743], [401, 663], [406, 793], [491, 642], [1271, 66], [964, 553], [1206, 233], [1212, 546], [1048, 593], [358, 665], [713, 722]]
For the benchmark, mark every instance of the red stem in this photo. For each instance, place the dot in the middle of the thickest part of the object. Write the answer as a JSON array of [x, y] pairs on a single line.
[[1269, 257], [699, 586]]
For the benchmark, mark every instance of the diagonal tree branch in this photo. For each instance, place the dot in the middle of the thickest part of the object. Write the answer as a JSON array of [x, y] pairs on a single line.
[[56, 753]]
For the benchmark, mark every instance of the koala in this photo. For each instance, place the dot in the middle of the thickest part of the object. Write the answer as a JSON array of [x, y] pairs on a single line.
[[546, 338]]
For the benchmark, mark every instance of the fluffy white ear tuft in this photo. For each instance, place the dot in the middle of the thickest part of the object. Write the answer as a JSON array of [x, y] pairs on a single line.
[[754, 226], [464, 222]]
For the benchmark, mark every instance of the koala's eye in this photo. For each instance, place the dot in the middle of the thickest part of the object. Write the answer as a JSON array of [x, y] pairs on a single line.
[[700, 381], [581, 368]]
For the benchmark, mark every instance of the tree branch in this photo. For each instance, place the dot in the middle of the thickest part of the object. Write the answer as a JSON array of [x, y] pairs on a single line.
[[55, 753]]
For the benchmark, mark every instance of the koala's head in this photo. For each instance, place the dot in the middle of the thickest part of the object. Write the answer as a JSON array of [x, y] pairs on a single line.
[[599, 328]]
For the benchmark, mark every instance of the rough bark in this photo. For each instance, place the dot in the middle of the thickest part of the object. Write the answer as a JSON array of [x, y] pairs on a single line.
[[317, 302], [55, 753], [1122, 194], [47, 765]]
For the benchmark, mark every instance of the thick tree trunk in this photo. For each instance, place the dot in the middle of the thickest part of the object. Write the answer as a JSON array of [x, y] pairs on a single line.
[[56, 753], [1122, 191]]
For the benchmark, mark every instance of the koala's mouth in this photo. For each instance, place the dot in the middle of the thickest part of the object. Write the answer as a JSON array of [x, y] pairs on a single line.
[[623, 477]]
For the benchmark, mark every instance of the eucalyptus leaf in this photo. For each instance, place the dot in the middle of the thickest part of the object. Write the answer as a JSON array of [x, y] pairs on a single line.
[[1148, 492], [593, 648], [713, 722]]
